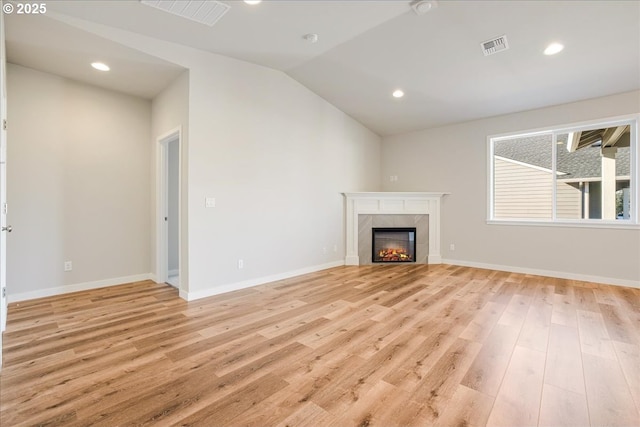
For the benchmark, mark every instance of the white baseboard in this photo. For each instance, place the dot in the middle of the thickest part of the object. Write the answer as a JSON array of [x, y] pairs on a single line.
[[434, 259], [352, 260], [191, 296], [59, 290], [548, 273], [173, 272]]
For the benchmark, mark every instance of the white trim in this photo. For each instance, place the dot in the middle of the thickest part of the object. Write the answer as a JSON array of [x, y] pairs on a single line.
[[624, 224], [395, 194], [392, 203], [633, 120], [594, 124], [230, 287], [546, 273], [520, 134], [3, 180], [566, 128], [434, 259], [491, 167], [174, 281], [161, 273], [175, 272], [554, 176], [60, 290]]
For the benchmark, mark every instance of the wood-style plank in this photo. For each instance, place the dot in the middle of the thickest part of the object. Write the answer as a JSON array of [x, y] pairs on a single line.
[[486, 373], [629, 358], [467, 407], [561, 407], [594, 337], [564, 360], [536, 327], [518, 401], [401, 345], [608, 395]]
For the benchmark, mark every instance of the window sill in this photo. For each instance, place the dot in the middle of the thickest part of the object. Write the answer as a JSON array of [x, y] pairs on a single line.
[[627, 224]]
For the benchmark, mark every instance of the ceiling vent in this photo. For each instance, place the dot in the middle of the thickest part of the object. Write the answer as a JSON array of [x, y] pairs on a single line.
[[495, 45], [206, 12]]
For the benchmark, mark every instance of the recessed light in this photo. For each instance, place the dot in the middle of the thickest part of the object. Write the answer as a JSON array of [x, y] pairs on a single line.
[[252, 1], [553, 48], [100, 66], [398, 93]]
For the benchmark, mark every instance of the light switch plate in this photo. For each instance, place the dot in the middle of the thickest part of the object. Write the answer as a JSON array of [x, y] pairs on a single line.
[[210, 202]]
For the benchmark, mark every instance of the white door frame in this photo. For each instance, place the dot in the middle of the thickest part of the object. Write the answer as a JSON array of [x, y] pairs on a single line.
[[162, 203], [3, 182]]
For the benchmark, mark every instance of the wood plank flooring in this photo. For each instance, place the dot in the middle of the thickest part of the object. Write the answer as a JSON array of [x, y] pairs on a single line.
[[401, 345]]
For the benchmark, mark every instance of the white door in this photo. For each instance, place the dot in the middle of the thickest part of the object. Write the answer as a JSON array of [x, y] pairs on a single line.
[[3, 184], [3, 222]]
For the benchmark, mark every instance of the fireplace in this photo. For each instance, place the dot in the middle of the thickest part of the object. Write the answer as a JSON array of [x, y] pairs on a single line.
[[393, 244], [365, 211]]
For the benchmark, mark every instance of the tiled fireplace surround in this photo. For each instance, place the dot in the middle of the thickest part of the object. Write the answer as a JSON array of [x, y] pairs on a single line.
[[367, 222], [393, 209]]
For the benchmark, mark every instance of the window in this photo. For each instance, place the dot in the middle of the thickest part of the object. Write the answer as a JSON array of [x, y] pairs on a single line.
[[576, 174]]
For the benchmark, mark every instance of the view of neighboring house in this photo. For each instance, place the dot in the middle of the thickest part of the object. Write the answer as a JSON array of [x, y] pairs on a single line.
[[523, 181]]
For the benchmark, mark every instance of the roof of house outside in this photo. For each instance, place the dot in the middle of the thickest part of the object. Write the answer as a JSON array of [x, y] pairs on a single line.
[[583, 163]]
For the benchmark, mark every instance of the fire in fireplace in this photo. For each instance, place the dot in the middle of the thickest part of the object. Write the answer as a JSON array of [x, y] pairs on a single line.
[[393, 245]]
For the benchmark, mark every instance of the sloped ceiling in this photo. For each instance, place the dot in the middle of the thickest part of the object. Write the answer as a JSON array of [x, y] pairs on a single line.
[[366, 49]]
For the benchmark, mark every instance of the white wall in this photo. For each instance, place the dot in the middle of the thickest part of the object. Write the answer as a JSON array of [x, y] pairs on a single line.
[[454, 159], [78, 184], [276, 158]]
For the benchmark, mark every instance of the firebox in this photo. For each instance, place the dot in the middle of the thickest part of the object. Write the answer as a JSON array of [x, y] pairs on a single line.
[[393, 245]]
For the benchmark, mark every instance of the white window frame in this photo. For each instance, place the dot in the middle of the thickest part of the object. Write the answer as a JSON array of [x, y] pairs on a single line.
[[634, 219]]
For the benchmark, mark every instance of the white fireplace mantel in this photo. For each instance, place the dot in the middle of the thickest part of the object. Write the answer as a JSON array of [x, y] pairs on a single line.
[[393, 203]]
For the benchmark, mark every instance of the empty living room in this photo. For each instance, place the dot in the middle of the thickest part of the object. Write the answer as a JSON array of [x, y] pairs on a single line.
[[320, 213]]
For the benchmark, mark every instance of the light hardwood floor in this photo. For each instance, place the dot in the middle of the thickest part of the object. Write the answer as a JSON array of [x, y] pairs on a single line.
[[405, 345]]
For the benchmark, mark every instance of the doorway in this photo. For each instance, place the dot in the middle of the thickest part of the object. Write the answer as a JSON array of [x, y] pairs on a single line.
[[169, 210]]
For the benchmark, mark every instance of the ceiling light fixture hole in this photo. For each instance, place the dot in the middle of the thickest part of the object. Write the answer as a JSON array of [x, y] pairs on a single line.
[[421, 7], [311, 37]]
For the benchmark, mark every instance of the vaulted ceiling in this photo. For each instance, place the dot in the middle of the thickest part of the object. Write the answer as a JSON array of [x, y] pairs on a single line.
[[367, 49]]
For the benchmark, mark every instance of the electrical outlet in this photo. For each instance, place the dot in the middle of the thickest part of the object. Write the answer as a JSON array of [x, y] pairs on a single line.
[[324, 250], [240, 264], [452, 247], [68, 266], [335, 248]]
